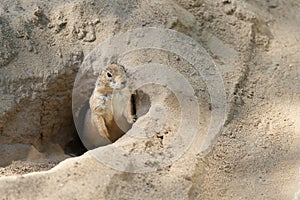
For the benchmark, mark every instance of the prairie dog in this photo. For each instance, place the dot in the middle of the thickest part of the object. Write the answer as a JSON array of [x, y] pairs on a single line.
[[111, 108]]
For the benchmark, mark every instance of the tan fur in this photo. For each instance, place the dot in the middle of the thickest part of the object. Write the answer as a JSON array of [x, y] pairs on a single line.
[[105, 113]]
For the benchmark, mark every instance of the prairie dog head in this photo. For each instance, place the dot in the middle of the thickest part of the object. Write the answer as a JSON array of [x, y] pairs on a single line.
[[112, 77]]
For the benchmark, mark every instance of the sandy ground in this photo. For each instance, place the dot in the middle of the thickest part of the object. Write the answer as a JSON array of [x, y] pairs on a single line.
[[25, 167], [257, 156]]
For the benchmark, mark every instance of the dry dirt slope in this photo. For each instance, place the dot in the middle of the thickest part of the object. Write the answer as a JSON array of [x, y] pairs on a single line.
[[257, 155]]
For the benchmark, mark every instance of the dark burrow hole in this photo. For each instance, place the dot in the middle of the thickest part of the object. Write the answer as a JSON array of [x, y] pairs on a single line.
[[75, 147]]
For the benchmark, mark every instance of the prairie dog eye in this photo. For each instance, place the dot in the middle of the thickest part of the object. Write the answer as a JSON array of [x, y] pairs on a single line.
[[108, 74]]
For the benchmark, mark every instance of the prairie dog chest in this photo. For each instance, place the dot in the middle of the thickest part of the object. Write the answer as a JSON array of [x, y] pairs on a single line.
[[108, 104]]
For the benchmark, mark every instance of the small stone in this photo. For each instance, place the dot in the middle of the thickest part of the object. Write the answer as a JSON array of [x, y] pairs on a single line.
[[62, 23], [38, 12], [50, 25], [81, 34], [30, 48], [226, 1], [272, 5], [230, 10], [96, 21]]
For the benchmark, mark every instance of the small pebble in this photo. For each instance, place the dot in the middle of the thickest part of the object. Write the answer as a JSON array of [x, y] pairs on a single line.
[[226, 1]]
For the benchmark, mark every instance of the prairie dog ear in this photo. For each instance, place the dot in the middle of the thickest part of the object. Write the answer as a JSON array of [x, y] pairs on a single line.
[[102, 72]]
